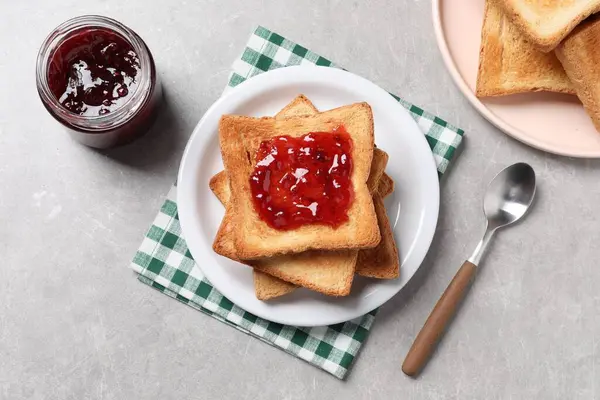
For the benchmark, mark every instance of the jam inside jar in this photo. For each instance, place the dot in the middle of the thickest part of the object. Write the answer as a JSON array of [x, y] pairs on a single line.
[[98, 78], [304, 180], [94, 72]]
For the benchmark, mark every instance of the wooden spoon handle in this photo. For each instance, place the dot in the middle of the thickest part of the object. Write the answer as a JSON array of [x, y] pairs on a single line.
[[438, 319]]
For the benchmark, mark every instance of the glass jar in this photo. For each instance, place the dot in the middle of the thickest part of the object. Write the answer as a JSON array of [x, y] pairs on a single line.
[[97, 77]]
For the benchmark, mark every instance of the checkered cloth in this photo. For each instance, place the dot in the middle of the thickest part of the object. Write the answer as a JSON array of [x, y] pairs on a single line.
[[164, 262]]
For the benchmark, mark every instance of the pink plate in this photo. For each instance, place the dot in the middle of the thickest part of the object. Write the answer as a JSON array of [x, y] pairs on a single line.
[[555, 123]]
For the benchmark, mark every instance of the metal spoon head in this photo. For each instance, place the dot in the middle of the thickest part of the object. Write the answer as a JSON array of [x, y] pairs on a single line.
[[509, 195]]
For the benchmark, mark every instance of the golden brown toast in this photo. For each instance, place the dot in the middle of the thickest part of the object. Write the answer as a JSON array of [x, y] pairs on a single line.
[[380, 262], [579, 55], [253, 237], [307, 269], [509, 64], [386, 185], [378, 164], [327, 272], [545, 23], [268, 287], [301, 105]]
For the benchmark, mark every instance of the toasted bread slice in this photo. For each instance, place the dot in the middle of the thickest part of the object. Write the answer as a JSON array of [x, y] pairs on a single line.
[[509, 64], [220, 187], [378, 164], [268, 287], [386, 186], [306, 270], [327, 272], [300, 106], [579, 55], [223, 243], [380, 262], [253, 237], [545, 23]]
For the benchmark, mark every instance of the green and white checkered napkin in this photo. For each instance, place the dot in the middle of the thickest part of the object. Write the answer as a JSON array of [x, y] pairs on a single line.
[[164, 262]]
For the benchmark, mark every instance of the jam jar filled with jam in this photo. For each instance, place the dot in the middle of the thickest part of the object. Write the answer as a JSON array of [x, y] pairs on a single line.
[[97, 77]]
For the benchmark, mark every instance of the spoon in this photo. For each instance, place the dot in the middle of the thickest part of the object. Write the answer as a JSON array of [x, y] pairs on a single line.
[[508, 197]]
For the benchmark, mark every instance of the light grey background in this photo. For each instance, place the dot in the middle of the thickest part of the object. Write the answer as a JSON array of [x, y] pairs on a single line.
[[76, 324]]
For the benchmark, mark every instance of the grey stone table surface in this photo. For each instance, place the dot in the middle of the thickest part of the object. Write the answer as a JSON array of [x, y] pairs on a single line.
[[76, 324]]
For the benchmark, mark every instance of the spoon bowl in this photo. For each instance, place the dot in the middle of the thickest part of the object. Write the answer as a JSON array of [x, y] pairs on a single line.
[[509, 195]]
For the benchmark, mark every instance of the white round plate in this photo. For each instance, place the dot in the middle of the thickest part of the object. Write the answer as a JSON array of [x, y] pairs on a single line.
[[411, 166], [556, 123]]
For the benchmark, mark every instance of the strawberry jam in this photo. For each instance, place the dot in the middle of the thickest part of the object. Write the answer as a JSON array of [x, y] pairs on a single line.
[[94, 72], [304, 180]]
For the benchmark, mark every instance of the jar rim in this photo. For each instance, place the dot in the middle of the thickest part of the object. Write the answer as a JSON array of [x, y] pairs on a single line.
[[101, 122]]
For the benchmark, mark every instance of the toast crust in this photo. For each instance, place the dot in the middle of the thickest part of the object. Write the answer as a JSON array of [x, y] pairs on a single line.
[[546, 23], [386, 185], [508, 64], [380, 262], [220, 187], [327, 272], [253, 238], [378, 164], [578, 54], [268, 287]]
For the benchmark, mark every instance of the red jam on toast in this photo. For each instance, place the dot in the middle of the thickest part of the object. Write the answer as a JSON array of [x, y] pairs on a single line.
[[304, 180]]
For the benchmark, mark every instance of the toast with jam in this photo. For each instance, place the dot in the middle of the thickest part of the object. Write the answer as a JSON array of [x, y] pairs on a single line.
[[330, 272], [303, 210]]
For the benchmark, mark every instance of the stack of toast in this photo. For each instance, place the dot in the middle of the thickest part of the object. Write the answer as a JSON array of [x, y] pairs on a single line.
[[542, 45], [315, 256]]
